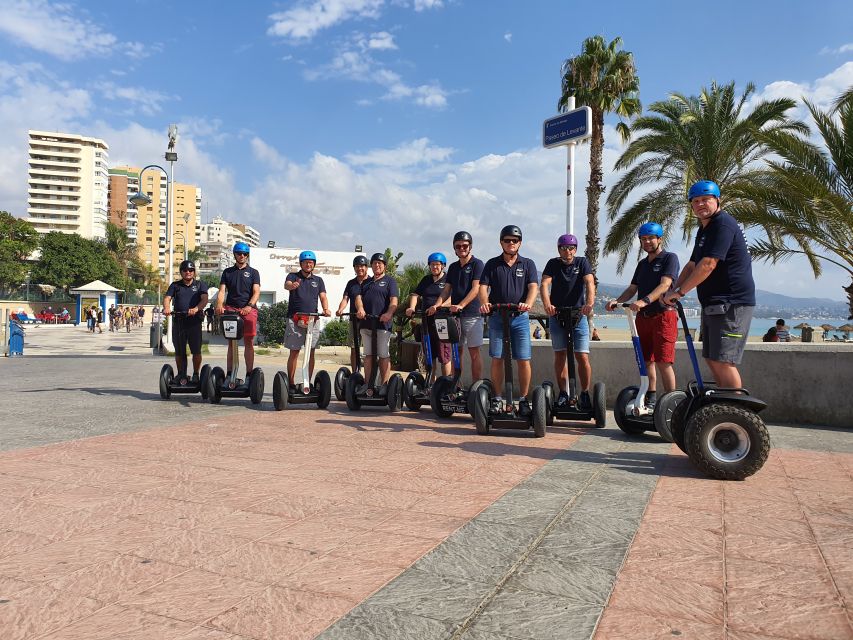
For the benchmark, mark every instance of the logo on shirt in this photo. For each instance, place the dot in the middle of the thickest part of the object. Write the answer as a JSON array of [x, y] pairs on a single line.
[[314, 283], [195, 287], [381, 283], [468, 269], [519, 272], [656, 268], [245, 274]]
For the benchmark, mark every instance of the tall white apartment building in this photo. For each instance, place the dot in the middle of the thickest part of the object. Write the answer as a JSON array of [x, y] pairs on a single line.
[[68, 183], [218, 237]]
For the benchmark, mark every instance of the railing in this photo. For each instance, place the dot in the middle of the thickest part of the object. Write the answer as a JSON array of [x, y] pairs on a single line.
[[32, 293]]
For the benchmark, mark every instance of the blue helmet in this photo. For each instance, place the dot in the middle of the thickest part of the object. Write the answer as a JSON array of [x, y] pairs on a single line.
[[308, 255], [241, 247], [437, 257], [650, 229], [704, 188]]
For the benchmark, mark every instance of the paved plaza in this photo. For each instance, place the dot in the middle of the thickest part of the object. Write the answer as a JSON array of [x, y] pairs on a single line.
[[126, 516]]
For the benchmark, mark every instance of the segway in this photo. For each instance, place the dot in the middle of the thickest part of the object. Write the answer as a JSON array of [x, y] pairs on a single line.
[[343, 374], [488, 417], [220, 385], [568, 317], [718, 428], [182, 383], [447, 396], [283, 394], [371, 393], [633, 415], [417, 389]]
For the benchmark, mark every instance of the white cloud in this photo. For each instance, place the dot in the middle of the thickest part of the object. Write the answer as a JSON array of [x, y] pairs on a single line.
[[306, 20], [416, 152], [53, 28], [381, 41], [508, 36], [423, 5], [821, 92], [844, 48], [146, 101]]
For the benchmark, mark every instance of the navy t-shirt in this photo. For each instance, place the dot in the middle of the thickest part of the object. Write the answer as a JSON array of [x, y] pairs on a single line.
[[647, 277], [460, 278], [731, 280], [429, 290], [352, 290], [508, 283], [567, 285], [376, 296], [303, 299], [186, 296], [238, 283]]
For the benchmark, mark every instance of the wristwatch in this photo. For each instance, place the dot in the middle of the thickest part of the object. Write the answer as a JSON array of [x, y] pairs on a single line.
[[679, 292], [646, 299]]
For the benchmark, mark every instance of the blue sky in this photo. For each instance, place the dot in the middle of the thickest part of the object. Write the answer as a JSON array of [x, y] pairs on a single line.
[[385, 122]]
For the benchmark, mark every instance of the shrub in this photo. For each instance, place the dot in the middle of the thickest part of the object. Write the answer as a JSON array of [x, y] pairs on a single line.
[[335, 333], [272, 322]]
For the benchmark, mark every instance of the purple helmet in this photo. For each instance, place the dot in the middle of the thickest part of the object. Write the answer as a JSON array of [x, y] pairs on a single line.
[[567, 240]]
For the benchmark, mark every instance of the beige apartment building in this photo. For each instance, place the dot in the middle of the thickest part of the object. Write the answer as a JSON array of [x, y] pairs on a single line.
[[67, 183], [122, 212]]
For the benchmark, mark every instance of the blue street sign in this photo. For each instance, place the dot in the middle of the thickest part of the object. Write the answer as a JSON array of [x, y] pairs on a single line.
[[572, 126]]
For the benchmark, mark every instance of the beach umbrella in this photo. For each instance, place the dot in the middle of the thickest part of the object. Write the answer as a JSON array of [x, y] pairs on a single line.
[[846, 328], [803, 325], [827, 327]]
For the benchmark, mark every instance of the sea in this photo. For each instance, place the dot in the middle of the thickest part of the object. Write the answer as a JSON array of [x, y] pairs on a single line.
[[758, 327]]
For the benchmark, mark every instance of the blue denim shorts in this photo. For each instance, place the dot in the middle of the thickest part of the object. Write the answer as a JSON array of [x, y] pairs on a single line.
[[519, 335], [580, 335]]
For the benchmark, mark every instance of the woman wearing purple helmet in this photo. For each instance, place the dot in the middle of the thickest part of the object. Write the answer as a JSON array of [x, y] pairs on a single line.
[[568, 281]]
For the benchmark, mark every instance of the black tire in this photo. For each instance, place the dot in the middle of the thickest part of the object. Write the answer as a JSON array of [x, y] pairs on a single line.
[[540, 412], [395, 393], [599, 405], [413, 386], [203, 375], [214, 385], [678, 423], [323, 386], [664, 410], [550, 398], [440, 388], [280, 383], [727, 441], [166, 377], [479, 400], [256, 385], [623, 420], [476, 385], [341, 383], [353, 382]]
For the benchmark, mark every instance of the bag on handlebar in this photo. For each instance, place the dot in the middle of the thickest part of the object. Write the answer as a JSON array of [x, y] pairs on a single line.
[[232, 326]]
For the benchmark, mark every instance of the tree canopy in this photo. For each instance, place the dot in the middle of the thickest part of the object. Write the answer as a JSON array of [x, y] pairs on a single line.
[[69, 260], [18, 239]]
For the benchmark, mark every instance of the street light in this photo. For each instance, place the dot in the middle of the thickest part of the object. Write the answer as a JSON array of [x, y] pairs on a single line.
[[183, 235]]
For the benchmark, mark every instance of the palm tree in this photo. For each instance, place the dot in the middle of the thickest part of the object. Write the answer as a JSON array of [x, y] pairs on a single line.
[[805, 201], [603, 78], [684, 139], [121, 247]]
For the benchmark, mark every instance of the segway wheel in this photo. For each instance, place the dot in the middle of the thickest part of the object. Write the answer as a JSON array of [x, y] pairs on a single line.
[[256, 385], [395, 392], [664, 410], [323, 386], [214, 385], [280, 399], [414, 385], [166, 377], [623, 420], [479, 400], [440, 388], [678, 423], [472, 392], [540, 412], [203, 375], [351, 397], [727, 441], [599, 405], [341, 383], [550, 399]]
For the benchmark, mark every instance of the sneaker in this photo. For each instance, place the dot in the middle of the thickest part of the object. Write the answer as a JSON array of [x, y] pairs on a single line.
[[651, 399], [563, 399], [361, 389], [585, 401], [195, 378], [497, 405], [524, 408]]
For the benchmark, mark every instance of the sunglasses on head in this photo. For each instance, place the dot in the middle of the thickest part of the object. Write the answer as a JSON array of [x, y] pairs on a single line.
[[241, 253], [510, 240]]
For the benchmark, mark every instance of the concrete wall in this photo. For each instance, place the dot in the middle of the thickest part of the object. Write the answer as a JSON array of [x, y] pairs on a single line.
[[802, 383]]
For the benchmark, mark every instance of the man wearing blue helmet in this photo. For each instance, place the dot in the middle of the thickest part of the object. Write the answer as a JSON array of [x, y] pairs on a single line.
[[306, 290], [657, 323], [429, 291], [720, 268], [243, 286]]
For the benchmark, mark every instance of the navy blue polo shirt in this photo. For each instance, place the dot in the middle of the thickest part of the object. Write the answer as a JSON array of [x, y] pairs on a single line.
[[238, 284], [303, 299], [185, 296], [567, 285], [376, 296], [508, 283], [647, 277], [731, 280], [429, 290], [352, 290], [460, 279]]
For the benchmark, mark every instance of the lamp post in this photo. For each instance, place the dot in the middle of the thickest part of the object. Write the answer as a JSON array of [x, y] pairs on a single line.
[[184, 237]]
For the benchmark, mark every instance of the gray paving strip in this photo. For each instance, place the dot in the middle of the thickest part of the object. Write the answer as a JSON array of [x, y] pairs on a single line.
[[538, 563]]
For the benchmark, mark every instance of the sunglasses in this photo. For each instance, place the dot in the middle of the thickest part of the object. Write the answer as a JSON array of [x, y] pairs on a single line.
[[241, 253], [510, 240], [461, 246], [189, 270], [567, 247]]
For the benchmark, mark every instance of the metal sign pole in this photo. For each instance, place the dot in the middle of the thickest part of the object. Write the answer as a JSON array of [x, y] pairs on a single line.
[[570, 178]]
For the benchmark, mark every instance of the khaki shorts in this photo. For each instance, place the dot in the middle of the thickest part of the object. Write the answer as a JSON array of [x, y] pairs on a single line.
[[294, 335], [471, 331], [383, 343], [725, 328]]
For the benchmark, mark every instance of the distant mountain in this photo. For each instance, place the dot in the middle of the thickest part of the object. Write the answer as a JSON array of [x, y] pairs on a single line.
[[769, 299]]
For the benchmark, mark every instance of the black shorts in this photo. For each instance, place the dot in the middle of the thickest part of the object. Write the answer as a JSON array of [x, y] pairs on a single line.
[[186, 331]]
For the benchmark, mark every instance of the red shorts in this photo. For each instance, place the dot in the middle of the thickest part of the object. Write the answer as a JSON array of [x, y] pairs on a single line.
[[657, 336], [250, 322]]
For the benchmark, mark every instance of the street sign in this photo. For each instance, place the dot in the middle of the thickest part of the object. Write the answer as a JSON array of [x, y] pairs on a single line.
[[572, 126]]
